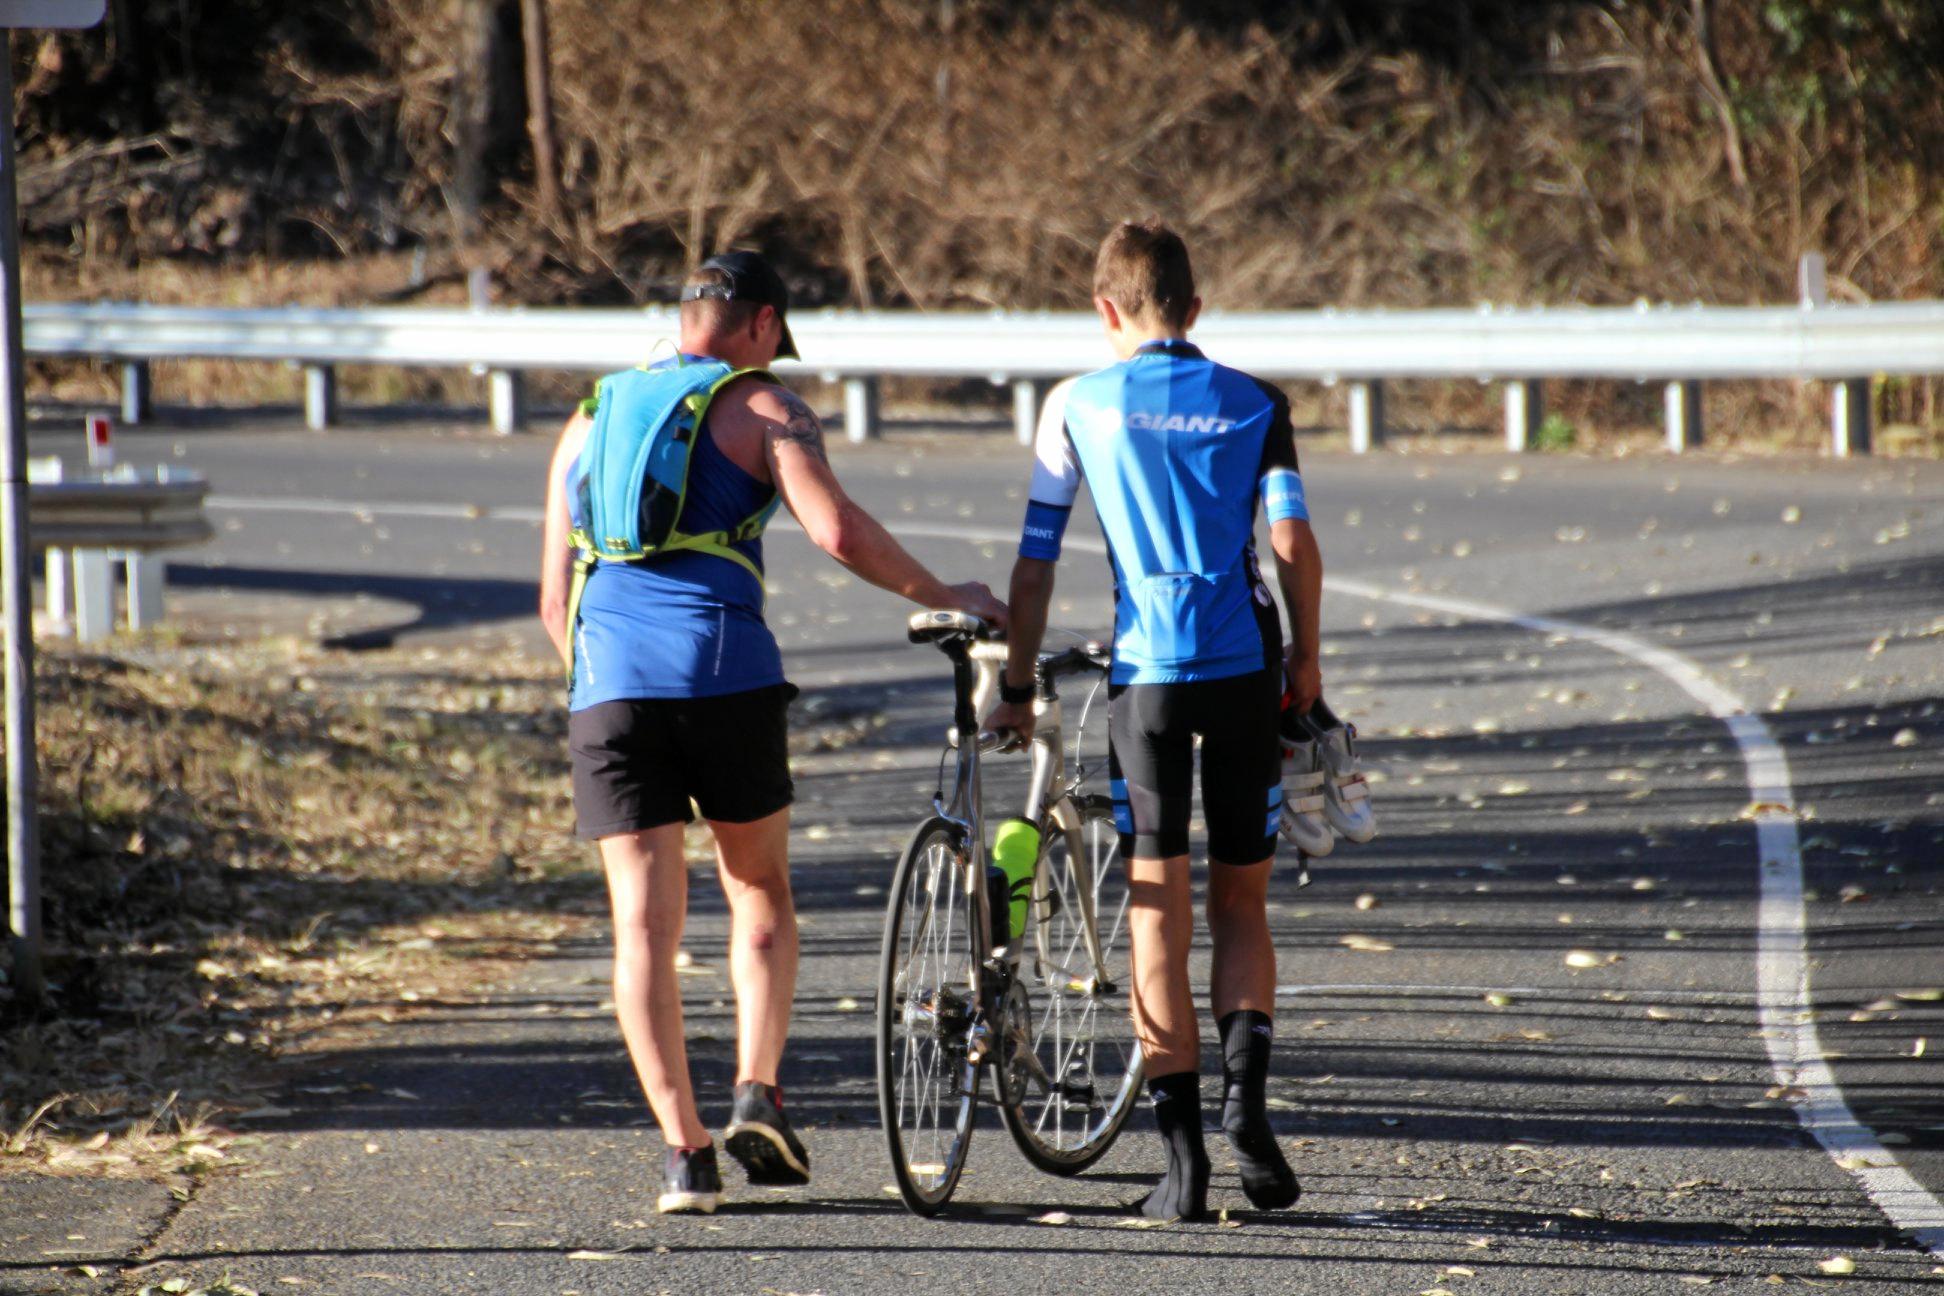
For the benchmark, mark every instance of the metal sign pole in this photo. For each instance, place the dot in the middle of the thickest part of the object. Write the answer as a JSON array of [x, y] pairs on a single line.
[[23, 835], [16, 593]]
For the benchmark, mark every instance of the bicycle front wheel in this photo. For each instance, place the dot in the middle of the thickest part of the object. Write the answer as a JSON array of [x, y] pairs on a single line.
[[1070, 1065], [926, 1008]]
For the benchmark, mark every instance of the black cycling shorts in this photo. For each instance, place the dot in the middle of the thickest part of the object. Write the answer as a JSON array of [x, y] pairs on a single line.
[[1151, 754], [639, 762]]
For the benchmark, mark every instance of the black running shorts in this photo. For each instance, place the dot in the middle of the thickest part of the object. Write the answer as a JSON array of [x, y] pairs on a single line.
[[1150, 761], [639, 762]]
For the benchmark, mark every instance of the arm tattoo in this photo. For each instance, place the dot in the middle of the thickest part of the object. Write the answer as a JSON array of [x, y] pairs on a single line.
[[801, 425]]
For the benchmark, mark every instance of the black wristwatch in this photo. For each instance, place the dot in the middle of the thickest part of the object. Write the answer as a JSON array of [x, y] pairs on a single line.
[[1014, 696]]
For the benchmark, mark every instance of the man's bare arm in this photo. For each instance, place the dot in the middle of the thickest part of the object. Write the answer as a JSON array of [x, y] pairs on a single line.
[[556, 554], [1299, 572], [838, 525], [1027, 603], [1026, 607]]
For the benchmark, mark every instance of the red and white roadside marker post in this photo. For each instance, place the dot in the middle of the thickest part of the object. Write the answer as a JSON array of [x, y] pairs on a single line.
[[94, 571], [23, 766], [101, 442]]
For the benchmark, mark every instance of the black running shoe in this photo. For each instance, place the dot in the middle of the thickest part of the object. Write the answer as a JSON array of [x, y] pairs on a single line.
[[691, 1182], [759, 1136]]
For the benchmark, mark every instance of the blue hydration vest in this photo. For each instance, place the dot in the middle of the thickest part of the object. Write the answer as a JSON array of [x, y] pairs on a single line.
[[655, 508]]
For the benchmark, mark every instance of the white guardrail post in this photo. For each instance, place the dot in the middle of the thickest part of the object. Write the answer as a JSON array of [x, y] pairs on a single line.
[[137, 401], [1849, 417], [44, 471], [1028, 395], [1525, 410], [1683, 407], [1366, 416], [860, 409], [320, 397], [506, 400]]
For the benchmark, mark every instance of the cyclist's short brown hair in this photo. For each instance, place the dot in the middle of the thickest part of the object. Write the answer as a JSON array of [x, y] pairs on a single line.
[[1143, 268]]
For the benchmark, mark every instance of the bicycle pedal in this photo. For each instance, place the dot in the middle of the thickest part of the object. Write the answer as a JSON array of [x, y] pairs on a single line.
[[1077, 1090]]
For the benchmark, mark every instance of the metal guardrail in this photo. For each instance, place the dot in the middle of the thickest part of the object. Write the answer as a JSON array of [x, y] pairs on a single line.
[[1680, 346], [107, 514], [87, 524]]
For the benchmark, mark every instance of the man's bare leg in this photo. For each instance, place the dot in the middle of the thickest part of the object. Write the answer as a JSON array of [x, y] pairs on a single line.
[[753, 860], [1244, 975], [647, 877], [1160, 926], [1244, 992]]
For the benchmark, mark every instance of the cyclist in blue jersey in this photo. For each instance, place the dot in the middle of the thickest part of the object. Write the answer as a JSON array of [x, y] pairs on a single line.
[[1177, 451], [679, 695]]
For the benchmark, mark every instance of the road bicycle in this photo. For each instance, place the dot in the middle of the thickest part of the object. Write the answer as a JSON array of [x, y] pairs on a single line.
[[1043, 1010]]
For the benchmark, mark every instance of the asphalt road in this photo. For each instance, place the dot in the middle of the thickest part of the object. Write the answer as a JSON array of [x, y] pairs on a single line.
[[1718, 642]]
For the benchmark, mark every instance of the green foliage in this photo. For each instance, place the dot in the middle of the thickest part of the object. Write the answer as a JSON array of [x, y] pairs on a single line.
[[1556, 433]]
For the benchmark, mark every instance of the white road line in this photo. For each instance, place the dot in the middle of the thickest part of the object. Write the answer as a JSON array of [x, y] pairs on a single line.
[[1781, 961], [354, 509]]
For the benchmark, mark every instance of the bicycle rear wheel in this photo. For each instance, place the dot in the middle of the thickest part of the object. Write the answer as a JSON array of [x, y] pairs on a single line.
[[927, 1001], [1070, 1066]]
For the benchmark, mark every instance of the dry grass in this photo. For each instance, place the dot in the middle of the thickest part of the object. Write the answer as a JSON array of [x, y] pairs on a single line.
[[247, 851]]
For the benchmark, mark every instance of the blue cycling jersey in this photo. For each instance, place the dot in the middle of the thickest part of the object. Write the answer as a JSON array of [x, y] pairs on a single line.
[[1177, 450]]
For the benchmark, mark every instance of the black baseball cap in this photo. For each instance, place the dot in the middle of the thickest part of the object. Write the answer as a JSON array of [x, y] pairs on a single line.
[[750, 279]]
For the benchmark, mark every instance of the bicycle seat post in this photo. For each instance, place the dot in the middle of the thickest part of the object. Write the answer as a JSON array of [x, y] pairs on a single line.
[[964, 718]]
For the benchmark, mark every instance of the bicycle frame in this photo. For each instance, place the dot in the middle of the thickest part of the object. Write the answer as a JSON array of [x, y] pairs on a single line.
[[975, 681]]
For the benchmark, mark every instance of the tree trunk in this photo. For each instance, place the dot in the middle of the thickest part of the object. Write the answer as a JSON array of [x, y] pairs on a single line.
[[540, 118], [469, 115]]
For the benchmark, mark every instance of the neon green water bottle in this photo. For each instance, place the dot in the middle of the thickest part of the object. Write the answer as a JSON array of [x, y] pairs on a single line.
[[1015, 849]]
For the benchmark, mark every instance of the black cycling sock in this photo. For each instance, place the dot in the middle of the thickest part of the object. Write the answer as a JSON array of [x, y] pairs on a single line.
[[1183, 1191], [1247, 1037]]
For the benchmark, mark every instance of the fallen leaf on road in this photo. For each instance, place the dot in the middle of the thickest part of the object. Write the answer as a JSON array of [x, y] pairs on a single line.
[[597, 1255], [1582, 959], [1053, 1217], [1368, 944], [1499, 999], [1838, 1264]]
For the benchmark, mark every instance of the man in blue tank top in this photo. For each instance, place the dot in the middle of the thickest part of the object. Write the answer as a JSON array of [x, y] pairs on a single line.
[[679, 697], [1177, 451]]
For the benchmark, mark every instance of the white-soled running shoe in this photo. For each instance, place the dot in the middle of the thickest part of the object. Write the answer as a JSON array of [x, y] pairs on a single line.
[[1346, 793], [1303, 824]]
